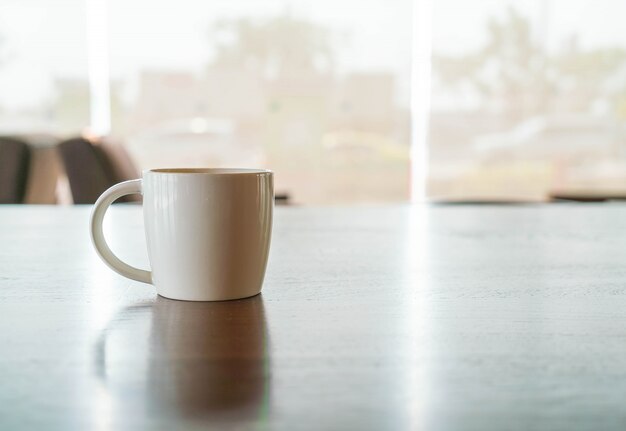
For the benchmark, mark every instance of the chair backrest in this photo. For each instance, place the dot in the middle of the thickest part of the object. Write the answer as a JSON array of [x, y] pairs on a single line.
[[92, 168], [14, 169], [118, 162]]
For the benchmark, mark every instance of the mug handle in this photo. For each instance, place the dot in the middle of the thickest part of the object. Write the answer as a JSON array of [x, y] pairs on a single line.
[[97, 235]]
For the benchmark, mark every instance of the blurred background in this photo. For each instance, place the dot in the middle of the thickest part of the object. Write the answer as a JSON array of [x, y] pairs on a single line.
[[349, 101]]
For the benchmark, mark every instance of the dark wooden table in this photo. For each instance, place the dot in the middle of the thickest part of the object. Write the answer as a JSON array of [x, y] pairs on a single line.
[[400, 318]]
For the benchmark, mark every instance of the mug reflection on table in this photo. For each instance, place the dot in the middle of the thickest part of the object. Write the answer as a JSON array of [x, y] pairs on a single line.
[[204, 359]]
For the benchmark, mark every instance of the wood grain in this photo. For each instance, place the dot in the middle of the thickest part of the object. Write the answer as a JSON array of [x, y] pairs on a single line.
[[393, 317]]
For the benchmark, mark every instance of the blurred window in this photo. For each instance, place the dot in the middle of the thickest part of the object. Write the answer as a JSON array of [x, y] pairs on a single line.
[[43, 67], [295, 86], [317, 91], [528, 98]]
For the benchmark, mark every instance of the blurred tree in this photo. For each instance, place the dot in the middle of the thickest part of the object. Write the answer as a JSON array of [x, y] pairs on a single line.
[[275, 47], [516, 75], [507, 71], [587, 77]]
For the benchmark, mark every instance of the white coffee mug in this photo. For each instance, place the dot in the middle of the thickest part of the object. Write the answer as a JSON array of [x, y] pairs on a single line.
[[207, 231]]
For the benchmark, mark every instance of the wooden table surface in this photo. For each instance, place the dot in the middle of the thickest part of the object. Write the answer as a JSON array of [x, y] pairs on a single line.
[[391, 317]]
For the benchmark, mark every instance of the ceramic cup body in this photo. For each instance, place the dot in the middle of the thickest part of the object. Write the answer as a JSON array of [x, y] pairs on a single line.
[[207, 230]]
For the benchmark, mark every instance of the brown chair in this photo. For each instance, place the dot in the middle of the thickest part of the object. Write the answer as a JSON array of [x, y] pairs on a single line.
[[93, 167], [14, 168]]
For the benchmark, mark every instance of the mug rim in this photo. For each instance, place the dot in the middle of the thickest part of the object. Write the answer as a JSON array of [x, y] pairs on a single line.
[[208, 171]]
